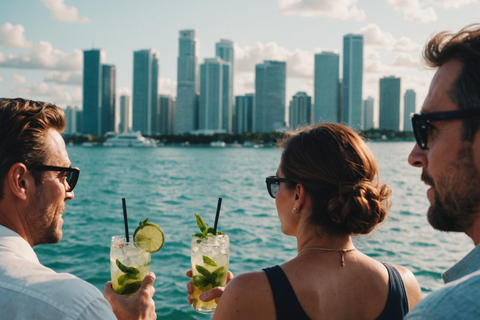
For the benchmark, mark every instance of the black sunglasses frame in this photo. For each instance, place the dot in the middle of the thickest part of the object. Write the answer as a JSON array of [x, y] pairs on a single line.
[[72, 175], [274, 180], [421, 122]]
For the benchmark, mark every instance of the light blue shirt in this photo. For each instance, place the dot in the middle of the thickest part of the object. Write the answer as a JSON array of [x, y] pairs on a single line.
[[29, 290], [460, 298]]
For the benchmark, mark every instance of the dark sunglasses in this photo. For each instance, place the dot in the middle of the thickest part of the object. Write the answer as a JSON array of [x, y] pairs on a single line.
[[72, 174], [421, 122], [273, 183]]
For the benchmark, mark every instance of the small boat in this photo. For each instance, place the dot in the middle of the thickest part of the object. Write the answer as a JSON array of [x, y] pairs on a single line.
[[131, 139], [217, 144]]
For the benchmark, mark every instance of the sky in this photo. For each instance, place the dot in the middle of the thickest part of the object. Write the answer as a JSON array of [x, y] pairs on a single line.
[[42, 41]]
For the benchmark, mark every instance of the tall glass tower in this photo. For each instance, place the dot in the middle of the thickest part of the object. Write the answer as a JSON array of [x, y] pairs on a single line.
[[92, 92], [409, 100], [390, 103], [145, 91], [108, 98], [270, 84], [186, 105], [326, 88], [300, 110], [224, 50], [352, 80]]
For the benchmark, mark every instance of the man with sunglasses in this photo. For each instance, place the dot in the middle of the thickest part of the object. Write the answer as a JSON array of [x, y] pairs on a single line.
[[448, 152], [36, 178]]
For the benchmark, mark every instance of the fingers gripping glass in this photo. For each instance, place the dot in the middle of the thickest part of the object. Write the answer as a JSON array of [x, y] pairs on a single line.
[[71, 177], [421, 122], [273, 183]]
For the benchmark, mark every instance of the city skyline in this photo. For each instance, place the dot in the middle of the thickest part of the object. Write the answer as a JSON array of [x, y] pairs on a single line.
[[41, 42]]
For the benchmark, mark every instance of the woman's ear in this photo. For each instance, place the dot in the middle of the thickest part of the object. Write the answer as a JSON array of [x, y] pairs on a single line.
[[300, 194], [17, 180]]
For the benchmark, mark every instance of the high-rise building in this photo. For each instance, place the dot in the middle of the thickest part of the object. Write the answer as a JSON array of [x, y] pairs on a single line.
[[92, 92], [409, 101], [108, 99], [167, 114], [352, 80], [187, 102], [244, 113], [71, 118], [390, 103], [300, 110], [224, 50], [368, 114], [215, 109], [270, 84], [326, 88], [125, 124], [145, 91]]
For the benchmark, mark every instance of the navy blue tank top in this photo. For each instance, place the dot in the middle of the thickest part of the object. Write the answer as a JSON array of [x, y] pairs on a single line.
[[288, 307]]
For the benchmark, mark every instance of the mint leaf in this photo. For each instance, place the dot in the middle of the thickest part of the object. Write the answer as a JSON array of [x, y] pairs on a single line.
[[209, 261], [128, 270], [203, 271], [201, 224]]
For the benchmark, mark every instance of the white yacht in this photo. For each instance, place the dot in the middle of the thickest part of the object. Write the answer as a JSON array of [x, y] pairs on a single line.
[[131, 139]]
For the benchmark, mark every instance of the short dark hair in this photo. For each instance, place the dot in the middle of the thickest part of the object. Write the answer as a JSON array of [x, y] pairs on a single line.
[[463, 46], [23, 127], [339, 173]]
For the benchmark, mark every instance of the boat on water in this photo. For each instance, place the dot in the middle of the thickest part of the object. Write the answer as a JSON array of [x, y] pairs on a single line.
[[217, 144], [131, 139]]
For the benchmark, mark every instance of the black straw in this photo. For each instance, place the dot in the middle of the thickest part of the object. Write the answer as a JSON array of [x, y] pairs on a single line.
[[216, 216], [125, 218]]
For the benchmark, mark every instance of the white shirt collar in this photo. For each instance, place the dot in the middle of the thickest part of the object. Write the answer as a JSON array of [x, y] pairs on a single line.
[[12, 241]]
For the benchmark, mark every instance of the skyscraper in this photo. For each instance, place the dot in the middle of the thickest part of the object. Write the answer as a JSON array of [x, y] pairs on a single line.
[[108, 99], [300, 110], [368, 114], [224, 50], [390, 103], [409, 101], [125, 124], [145, 91], [215, 101], [92, 92], [352, 80], [167, 114], [186, 105], [326, 88], [270, 83], [244, 113], [71, 117]]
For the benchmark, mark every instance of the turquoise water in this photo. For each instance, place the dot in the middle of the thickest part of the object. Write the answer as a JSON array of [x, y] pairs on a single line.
[[170, 184]]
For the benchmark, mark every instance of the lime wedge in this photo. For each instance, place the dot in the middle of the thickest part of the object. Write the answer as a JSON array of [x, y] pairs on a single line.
[[149, 236]]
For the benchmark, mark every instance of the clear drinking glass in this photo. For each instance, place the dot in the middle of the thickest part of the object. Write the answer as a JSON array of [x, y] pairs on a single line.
[[128, 265], [209, 267]]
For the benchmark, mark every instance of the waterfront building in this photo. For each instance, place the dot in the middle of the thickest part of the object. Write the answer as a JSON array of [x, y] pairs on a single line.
[[186, 114], [368, 114], [300, 110], [108, 99], [244, 113], [270, 84], [352, 80], [145, 91], [326, 88], [79, 118], [224, 50], [166, 114], [409, 102], [92, 92], [390, 103], [71, 118], [125, 124], [215, 108]]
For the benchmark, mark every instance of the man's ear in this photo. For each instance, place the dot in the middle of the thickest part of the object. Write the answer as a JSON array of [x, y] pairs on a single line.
[[19, 180]]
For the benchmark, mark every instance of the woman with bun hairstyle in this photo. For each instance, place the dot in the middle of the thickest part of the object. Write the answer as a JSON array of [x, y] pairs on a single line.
[[326, 189]]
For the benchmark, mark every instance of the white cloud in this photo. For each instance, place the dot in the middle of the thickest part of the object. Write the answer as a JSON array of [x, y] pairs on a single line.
[[375, 37], [59, 11], [44, 56], [18, 79], [1, 79], [372, 63], [338, 9], [413, 10], [168, 87], [59, 95], [12, 36], [452, 3], [405, 60], [66, 77]]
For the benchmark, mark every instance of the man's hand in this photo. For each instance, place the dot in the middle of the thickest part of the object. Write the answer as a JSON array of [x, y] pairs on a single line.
[[139, 306], [214, 293]]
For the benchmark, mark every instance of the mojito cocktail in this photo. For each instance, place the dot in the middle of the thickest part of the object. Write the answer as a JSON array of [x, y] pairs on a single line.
[[128, 265], [209, 266]]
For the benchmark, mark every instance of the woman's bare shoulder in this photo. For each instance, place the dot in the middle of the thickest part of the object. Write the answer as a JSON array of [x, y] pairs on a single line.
[[414, 293]]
